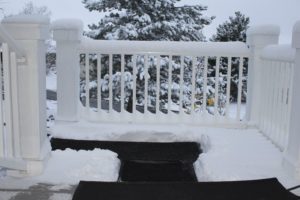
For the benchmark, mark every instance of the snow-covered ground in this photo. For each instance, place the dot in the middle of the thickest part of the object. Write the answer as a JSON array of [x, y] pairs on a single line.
[[229, 154]]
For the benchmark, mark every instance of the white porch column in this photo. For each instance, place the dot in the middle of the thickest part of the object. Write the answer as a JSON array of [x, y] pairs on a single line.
[[68, 34], [258, 37], [292, 154], [31, 32]]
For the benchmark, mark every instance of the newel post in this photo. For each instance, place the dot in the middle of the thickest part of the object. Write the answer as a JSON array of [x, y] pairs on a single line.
[[68, 34], [258, 38], [292, 153], [30, 32]]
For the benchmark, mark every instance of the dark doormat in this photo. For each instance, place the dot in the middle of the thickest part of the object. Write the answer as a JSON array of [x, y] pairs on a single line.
[[268, 189], [153, 171], [186, 152]]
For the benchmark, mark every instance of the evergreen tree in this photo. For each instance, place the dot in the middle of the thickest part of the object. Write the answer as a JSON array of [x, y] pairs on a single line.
[[30, 9], [148, 20], [233, 30]]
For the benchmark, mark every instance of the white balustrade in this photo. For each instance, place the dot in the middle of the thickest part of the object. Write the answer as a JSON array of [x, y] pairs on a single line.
[[141, 53]]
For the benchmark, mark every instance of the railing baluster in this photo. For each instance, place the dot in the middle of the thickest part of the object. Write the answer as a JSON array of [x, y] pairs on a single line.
[[193, 107], [146, 84], [228, 86], [170, 83], [238, 115], [205, 85], [110, 109], [122, 83], [8, 138], [276, 105], [270, 99], [283, 107], [157, 84], [264, 91], [281, 110], [99, 100], [87, 82], [181, 85], [1, 115], [134, 85], [216, 103], [289, 99], [15, 105]]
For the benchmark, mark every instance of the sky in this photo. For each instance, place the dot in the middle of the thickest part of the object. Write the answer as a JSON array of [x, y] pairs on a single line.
[[278, 12]]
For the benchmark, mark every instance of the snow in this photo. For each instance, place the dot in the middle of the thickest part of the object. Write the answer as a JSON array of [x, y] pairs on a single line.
[[96, 165], [68, 167], [236, 49], [51, 81], [30, 19], [67, 24], [264, 30], [279, 53], [229, 154]]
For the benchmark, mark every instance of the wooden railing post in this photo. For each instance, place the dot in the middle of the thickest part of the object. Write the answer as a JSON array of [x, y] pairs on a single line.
[[67, 33], [292, 153], [257, 38], [30, 32]]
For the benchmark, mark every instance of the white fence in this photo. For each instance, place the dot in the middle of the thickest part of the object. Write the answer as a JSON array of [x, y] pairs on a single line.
[[276, 92], [192, 60]]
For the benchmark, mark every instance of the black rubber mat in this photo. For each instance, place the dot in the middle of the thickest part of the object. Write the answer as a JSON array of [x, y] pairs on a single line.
[[269, 189], [186, 152], [141, 171]]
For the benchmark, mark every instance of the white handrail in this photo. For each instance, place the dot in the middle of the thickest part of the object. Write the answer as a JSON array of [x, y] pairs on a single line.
[[222, 49]]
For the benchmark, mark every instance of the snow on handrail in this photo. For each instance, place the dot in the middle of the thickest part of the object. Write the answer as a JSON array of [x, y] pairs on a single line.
[[13, 45], [284, 53], [226, 49]]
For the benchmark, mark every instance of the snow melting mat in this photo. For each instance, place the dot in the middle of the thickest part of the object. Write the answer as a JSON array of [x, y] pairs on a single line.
[[145, 161], [153, 171], [186, 152], [267, 189]]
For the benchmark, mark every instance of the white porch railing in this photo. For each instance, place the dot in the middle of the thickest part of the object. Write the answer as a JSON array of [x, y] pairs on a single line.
[[11, 57], [271, 88], [158, 53], [276, 92], [23, 142]]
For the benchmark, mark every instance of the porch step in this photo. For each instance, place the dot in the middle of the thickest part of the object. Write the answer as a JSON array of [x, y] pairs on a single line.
[[185, 152], [268, 189]]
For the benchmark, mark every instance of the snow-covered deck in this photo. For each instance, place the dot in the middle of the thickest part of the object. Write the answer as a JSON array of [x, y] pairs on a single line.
[[228, 154]]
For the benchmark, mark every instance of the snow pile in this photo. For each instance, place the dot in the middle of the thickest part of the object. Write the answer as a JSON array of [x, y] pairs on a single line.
[[239, 155], [69, 167]]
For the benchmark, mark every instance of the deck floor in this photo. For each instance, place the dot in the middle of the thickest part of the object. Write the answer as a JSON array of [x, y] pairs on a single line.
[[228, 155]]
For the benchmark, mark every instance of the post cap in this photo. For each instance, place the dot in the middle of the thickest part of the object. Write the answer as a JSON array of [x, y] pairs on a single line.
[[263, 35], [67, 29], [27, 27], [296, 35]]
